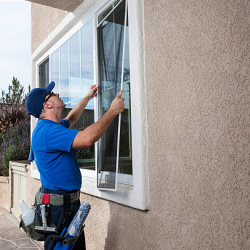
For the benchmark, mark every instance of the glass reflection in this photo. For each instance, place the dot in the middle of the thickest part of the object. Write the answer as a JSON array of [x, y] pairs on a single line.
[[64, 73], [110, 50], [72, 71], [87, 66], [75, 93], [54, 62]]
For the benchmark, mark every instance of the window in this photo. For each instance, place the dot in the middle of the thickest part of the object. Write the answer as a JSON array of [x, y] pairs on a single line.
[[44, 73], [72, 69], [81, 52], [114, 147]]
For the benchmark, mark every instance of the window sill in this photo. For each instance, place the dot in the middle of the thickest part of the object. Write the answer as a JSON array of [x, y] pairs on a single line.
[[125, 194]]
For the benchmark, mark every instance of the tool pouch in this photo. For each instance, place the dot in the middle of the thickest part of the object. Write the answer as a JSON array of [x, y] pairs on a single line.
[[30, 229]]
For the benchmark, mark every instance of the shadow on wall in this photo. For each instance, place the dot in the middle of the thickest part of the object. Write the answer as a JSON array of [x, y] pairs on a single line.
[[128, 228], [66, 5]]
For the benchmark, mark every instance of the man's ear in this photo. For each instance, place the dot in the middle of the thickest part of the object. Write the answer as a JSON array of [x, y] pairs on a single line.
[[47, 105]]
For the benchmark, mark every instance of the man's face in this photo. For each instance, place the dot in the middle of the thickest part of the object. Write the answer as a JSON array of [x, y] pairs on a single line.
[[55, 100]]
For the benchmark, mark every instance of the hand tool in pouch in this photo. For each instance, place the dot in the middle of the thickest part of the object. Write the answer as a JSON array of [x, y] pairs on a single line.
[[46, 220]]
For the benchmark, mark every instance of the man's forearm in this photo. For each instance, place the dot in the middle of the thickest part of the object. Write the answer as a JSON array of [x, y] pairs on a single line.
[[93, 133], [77, 111], [97, 129]]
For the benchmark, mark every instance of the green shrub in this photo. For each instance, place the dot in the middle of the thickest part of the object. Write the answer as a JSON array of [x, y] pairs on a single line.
[[1, 138], [15, 144], [12, 105], [85, 153]]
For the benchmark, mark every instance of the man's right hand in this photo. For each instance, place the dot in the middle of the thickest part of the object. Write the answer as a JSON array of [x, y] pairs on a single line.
[[93, 133], [117, 105]]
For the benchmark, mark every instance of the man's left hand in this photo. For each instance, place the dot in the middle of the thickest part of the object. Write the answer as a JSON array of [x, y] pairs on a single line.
[[92, 92]]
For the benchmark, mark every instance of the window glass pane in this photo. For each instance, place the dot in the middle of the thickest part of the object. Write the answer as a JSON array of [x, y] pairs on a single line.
[[44, 74], [72, 71], [87, 64], [75, 94], [74, 44], [110, 50], [104, 14], [107, 11], [54, 61], [86, 156], [125, 154], [64, 73]]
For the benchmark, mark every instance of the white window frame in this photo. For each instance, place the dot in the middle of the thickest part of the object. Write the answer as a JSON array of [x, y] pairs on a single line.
[[135, 191]]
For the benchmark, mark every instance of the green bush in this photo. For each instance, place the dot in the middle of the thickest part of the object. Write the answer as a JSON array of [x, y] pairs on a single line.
[[85, 153], [14, 126], [1, 138], [15, 145]]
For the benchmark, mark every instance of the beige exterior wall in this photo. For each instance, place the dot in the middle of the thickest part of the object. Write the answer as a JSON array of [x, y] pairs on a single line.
[[65, 5], [44, 20], [5, 193], [197, 73], [32, 186], [198, 101]]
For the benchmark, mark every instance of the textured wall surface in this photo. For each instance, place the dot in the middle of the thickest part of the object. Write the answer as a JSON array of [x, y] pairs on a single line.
[[4, 192], [60, 4], [198, 95], [44, 20], [32, 187], [198, 102]]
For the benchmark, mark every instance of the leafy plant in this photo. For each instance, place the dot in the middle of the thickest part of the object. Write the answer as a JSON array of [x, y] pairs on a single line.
[[15, 144], [1, 138], [16, 94], [12, 105], [85, 153], [14, 126], [11, 114]]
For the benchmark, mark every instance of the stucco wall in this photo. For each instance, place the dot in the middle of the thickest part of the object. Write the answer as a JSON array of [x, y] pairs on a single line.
[[198, 95], [32, 186], [4, 193], [44, 20], [60, 4], [46, 17], [198, 100]]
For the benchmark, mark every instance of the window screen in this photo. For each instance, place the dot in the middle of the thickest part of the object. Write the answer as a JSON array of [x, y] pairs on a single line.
[[44, 74], [113, 59]]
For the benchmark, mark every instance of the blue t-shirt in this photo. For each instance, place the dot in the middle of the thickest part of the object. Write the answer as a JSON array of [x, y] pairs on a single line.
[[55, 160]]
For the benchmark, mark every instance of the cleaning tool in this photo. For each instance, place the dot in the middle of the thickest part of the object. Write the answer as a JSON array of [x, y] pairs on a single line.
[[70, 235], [45, 213], [29, 220]]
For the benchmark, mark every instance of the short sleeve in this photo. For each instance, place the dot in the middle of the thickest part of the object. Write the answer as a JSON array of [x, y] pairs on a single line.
[[60, 138], [31, 156], [65, 123]]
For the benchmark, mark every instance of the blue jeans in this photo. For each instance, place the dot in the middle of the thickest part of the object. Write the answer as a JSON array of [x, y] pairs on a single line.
[[57, 219]]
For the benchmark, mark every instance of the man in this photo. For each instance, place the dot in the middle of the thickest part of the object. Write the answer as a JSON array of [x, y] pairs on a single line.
[[52, 148]]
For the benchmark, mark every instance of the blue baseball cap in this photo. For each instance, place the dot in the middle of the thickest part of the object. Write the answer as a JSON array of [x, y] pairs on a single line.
[[36, 98]]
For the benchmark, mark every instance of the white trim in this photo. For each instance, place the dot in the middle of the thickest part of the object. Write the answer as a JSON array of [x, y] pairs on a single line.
[[122, 180], [136, 196], [34, 171], [96, 114], [114, 7], [122, 74]]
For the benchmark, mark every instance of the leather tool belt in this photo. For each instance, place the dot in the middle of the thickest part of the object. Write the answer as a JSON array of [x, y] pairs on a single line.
[[55, 199]]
